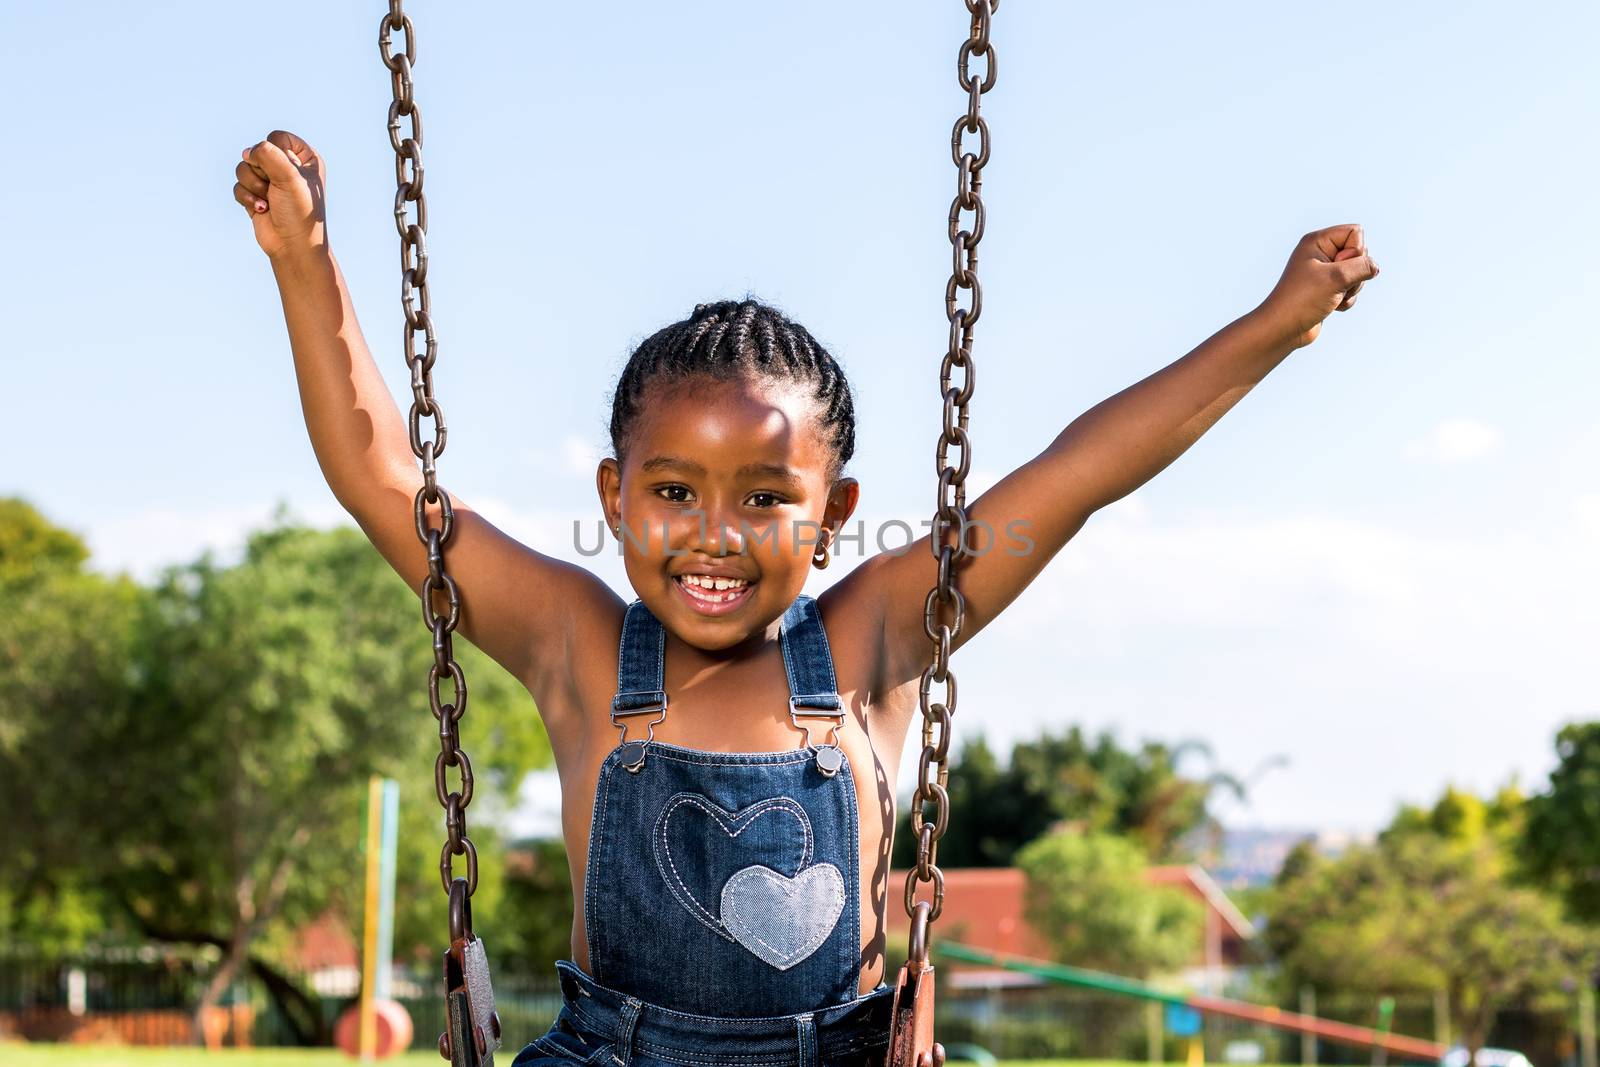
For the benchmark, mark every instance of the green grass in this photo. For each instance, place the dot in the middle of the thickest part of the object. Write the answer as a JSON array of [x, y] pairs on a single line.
[[21, 1055], [17, 1055]]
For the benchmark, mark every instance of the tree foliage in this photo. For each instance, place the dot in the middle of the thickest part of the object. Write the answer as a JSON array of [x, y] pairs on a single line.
[[536, 909], [1562, 842], [196, 753], [32, 548], [1466, 819], [1088, 896], [1431, 906], [1067, 780], [67, 667]]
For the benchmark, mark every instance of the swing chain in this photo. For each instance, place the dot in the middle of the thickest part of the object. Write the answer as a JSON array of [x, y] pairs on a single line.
[[930, 804], [911, 1025], [472, 1027], [415, 302]]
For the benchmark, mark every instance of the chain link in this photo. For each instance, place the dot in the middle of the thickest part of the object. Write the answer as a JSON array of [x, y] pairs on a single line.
[[415, 303], [930, 804]]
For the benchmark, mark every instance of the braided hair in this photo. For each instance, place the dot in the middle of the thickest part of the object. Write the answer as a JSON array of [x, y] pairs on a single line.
[[729, 340]]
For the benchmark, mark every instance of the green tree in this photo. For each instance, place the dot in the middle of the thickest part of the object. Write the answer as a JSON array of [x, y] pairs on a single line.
[[67, 659], [216, 792], [537, 903], [32, 548], [1087, 895], [1561, 845], [1067, 781], [1465, 818], [1424, 911]]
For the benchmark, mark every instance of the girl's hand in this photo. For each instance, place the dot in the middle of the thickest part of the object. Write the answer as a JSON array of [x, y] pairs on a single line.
[[280, 185], [1324, 274]]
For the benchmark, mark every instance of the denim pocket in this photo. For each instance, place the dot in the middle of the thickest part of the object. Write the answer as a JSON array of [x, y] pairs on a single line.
[[537, 1053], [565, 1043]]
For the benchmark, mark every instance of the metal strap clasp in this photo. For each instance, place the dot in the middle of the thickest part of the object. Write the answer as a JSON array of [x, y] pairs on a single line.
[[633, 751], [830, 757]]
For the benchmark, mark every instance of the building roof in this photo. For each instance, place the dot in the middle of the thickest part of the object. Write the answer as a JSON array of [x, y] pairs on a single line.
[[325, 942], [1194, 878], [985, 907]]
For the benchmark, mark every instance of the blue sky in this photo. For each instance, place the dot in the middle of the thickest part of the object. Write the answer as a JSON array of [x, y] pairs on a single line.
[[1381, 564]]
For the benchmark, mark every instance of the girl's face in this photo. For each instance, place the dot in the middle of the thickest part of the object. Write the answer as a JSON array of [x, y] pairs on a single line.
[[724, 480]]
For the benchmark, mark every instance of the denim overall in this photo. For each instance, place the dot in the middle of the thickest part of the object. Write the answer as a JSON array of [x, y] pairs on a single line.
[[722, 897]]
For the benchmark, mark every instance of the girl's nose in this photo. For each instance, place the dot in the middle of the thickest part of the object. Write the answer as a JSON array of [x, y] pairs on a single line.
[[724, 538]]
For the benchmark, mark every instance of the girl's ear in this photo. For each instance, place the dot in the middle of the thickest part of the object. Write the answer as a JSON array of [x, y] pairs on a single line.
[[842, 500], [608, 483]]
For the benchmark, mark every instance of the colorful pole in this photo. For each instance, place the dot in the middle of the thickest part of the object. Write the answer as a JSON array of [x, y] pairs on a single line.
[[377, 950], [1586, 1028], [377, 1026], [1385, 1019], [391, 833], [1308, 1041], [369, 945]]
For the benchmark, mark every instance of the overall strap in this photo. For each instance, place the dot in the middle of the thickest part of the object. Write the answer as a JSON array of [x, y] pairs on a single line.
[[813, 689], [807, 659], [807, 663], [641, 668], [641, 661]]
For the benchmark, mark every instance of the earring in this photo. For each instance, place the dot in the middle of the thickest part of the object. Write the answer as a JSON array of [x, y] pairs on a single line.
[[821, 550]]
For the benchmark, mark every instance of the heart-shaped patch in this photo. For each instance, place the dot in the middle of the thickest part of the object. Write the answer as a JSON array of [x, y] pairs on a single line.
[[783, 920], [768, 899]]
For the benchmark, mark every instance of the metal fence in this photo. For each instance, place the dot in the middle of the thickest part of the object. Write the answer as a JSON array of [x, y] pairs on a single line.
[[147, 996]]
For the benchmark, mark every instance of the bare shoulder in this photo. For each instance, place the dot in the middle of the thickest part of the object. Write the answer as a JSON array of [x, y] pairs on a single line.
[[853, 619], [526, 610], [597, 628], [588, 674], [577, 595]]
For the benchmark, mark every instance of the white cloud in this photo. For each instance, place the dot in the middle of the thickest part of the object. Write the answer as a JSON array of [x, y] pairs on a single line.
[[980, 479], [145, 541], [552, 533], [548, 531], [538, 812], [1455, 441], [1587, 509], [572, 455], [580, 456], [1383, 662]]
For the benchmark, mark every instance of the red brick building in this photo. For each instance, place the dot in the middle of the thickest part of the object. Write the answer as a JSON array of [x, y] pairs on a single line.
[[983, 907]]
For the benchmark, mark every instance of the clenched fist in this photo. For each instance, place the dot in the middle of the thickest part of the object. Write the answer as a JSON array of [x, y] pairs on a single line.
[[1325, 271], [281, 186]]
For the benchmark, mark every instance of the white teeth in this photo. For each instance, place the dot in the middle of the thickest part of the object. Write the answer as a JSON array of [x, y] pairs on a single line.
[[713, 590], [708, 582]]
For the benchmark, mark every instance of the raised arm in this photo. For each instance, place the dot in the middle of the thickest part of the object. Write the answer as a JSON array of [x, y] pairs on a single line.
[[1109, 451], [517, 604]]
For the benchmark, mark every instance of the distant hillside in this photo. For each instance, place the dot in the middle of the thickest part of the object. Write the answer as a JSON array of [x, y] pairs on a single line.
[[1252, 857]]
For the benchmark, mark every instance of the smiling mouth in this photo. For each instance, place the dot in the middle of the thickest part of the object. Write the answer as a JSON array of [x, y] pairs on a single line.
[[710, 597]]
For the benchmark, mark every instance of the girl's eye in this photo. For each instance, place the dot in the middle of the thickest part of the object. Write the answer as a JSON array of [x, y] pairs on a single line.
[[761, 499]]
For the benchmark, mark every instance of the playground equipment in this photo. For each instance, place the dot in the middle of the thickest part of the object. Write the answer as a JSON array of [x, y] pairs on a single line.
[[473, 1028], [1363, 1037], [377, 1026]]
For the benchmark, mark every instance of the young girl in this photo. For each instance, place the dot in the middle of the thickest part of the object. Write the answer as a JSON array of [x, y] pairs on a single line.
[[730, 872]]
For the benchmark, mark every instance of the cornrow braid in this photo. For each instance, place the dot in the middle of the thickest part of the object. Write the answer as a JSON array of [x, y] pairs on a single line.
[[728, 340]]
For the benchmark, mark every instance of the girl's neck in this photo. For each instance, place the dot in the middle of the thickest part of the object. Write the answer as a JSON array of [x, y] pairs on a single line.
[[697, 659]]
